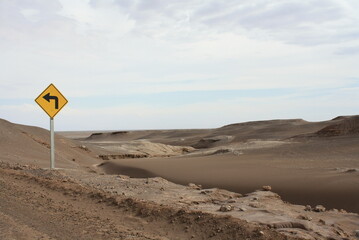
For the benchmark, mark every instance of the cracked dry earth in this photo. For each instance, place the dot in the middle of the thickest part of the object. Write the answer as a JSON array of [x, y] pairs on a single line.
[[43, 204]]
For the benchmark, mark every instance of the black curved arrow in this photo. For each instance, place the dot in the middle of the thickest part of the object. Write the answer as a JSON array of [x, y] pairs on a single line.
[[47, 97]]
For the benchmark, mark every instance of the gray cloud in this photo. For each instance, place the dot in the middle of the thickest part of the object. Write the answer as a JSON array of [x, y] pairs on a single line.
[[292, 21], [288, 15], [16, 25], [348, 51], [302, 22]]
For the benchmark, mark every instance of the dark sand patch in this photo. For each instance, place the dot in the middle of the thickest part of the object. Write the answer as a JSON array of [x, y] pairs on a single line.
[[300, 186]]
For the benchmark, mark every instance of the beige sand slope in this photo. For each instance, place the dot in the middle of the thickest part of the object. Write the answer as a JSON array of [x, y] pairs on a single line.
[[31, 145]]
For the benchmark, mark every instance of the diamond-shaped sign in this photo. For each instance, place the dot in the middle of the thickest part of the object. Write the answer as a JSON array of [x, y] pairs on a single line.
[[51, 100]]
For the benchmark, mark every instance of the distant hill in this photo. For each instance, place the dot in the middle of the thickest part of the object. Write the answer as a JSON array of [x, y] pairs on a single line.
[[343, 126], [238, 132], [337, 127]]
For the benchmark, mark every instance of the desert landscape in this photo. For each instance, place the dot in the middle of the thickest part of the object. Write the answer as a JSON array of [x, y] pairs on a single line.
[[275, 179], [179, 120]]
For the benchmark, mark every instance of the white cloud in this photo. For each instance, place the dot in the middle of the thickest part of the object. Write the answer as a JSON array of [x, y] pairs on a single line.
[[106, 19], [110, 48], [30, 14]]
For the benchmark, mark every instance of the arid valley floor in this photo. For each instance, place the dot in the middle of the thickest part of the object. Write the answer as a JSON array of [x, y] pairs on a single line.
[[275, 179]]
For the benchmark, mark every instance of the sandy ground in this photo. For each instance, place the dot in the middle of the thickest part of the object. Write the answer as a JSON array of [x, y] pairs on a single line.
[[314, 185], [44, 204], [302, 162], [90, 196], [75, 204]]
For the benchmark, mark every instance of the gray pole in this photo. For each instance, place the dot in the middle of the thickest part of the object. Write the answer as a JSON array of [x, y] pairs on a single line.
[[52, 143]]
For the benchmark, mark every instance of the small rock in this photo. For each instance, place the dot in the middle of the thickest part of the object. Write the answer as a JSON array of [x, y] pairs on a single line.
[[123, 176], [195, 186], [206, 191], [308, 208], [242, 209], [261, 233], [238, 195], [231, 201], [226, 208], [267, 188], [343, 211], [83, 147], [255, 199], [305, 217], [319, 208], [213, 234], [321, 221], [254, 205], [356, 233]]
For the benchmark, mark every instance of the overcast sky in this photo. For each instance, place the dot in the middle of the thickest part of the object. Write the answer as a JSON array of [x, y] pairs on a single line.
[[148, 64]]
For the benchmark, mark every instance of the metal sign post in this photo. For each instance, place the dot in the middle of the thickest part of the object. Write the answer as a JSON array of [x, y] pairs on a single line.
[[52, 142], [51, 101]]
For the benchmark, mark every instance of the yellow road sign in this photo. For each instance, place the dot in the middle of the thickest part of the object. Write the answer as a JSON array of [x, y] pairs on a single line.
[[51, 100]]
